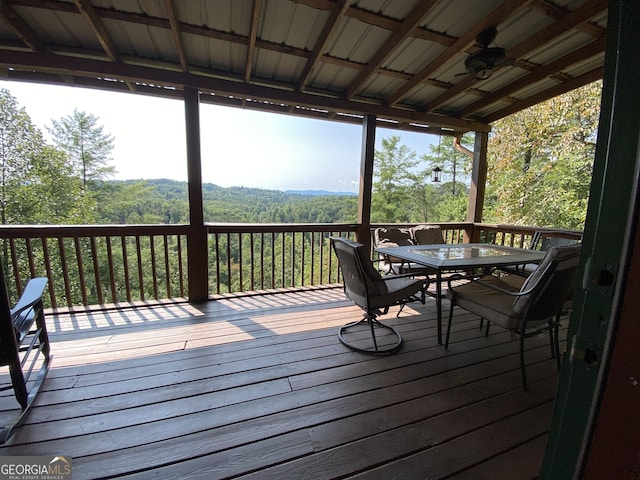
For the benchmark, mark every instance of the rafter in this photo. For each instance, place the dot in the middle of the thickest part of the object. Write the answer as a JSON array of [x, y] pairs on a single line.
[[330, 27], [509, 7], [170, 7], [538, 74], [565, 23], [21, 28], [93, 19], [97, 68], [565, 87], [253, 35], [413, 20]]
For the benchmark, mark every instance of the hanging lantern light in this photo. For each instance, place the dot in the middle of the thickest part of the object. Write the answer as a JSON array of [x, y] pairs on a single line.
[[436, 174]]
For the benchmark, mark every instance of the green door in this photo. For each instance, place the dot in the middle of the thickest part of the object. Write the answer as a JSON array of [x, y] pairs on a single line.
[[611, 221]]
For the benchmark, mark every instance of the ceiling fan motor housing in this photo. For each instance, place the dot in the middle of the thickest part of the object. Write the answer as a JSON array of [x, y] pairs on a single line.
[[484, 61]]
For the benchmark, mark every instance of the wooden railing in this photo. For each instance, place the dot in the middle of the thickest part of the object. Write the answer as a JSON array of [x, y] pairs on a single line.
[[516, 236], [116, 264], [96, 265], [253, 257]]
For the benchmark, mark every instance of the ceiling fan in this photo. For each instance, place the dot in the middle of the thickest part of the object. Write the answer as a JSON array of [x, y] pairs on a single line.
[[482, 63]]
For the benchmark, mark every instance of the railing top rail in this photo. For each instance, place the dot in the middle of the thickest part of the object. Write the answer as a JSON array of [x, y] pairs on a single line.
[[38, 231], [279, 227], [525, 229]]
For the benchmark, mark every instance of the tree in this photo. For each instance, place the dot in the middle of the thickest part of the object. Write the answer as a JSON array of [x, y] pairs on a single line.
[[540, 162], [19, 143], [87, 145], [449, 198], [396, 182], [36, 183]]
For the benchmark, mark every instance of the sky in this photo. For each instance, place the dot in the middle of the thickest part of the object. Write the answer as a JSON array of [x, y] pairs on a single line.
[[239, 147]]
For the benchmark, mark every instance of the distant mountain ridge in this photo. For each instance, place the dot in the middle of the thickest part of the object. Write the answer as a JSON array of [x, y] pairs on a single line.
[[319, 193]]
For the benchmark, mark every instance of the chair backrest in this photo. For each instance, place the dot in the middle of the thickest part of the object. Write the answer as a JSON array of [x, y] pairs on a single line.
[[392, 237], [427, 235], [7, 331], [361, 280], [550, 284], [543, 241]]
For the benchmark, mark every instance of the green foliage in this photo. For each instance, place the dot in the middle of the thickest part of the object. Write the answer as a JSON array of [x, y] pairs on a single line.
[[36, 182], [403, 191], [86, 144], [540, 162]]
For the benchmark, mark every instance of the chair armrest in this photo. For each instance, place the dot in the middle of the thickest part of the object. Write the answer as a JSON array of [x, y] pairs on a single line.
[[458, 276], [31, 295], [402, 275], [23, 313], [502, 290]]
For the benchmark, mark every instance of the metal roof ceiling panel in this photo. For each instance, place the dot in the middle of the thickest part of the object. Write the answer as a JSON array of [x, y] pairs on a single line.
[[314, 55]]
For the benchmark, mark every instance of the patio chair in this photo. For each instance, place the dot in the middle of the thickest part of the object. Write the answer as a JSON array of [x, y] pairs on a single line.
[[24, 348], [374, 294], [531, 309], [399, 237]]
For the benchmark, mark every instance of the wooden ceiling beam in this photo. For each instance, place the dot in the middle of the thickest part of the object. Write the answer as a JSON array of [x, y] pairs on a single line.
[[95, 22], [253, 36], [556, 12], [176, 32], [328, 31], [197, 30], [377, 20], [569, 21], [576, 82], [176, 79], [411, 22], [544, 71], [22, 29], [509, 7]]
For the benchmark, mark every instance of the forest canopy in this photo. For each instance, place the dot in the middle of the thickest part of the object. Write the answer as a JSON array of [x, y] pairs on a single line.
[[540, 164]]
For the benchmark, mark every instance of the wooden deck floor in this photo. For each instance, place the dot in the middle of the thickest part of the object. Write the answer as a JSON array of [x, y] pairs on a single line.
[[260, 387]]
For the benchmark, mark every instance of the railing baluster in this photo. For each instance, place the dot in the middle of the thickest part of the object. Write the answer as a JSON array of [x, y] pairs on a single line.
[[167, 272], [112, 279], [65, 270], [80, 263], [47, 263], [125, 267], [16, 265], [139, 261], [217, 264], [96, 270], [180, 265], [229, 272], [240, 262], [154, 269]]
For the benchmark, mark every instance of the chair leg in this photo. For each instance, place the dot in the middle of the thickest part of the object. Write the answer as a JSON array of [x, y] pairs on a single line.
[[486, 331], [446, 340], [374, 324], [556, 341], [523, 373]]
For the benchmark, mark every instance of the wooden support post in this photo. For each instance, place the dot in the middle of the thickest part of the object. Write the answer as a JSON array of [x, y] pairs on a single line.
[[478, 183], [366, 180], [197, 263]]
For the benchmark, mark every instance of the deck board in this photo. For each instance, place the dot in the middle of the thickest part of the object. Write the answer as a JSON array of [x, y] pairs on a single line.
[[261, 387]]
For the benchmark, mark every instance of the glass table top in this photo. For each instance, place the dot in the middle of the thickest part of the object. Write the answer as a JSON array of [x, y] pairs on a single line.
[[463, 255], [461, 251]]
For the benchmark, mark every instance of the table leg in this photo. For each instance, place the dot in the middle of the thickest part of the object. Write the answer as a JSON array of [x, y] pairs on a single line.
[[439, 304]]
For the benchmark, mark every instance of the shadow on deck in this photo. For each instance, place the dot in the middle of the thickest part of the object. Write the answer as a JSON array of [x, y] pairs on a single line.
[[260, 387]]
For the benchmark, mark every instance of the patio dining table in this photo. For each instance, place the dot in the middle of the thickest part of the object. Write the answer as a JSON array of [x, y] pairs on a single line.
[[460, 257]]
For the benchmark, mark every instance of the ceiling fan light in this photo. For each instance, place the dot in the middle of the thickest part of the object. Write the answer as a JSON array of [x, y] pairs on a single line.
[[483, 73]]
